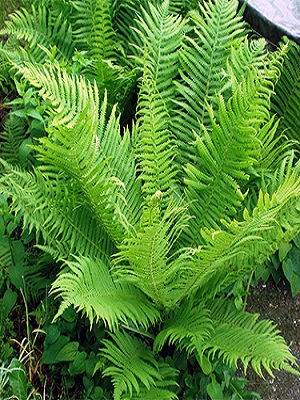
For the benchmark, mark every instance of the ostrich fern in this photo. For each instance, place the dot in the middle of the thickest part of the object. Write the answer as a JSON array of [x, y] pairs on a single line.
[[154, 221]]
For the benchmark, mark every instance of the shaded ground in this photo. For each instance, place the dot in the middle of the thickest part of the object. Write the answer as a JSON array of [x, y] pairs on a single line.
[[275, 302]]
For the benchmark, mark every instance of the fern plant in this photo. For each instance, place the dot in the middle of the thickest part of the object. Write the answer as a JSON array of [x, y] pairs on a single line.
[[155, 220]]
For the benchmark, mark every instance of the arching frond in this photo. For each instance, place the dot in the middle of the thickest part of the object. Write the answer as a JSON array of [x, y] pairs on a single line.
[[274, 146], [67, 95], [94, 34], [188, 326], [253, 52], [285, 101], [275, 152], [243, 246], [88, 285], [238, 335], [202, 60], [133, 364], [223, 157], [96, 167], [52, 208], [134, 367], [42, 27], [125, 11], [163, 387]]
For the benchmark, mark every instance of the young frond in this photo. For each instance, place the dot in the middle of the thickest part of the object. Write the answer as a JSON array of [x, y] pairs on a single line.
[[147, 260], [42, 28], [238, 335], [51, 207], [132, 364], [202, 61], [87, 284]]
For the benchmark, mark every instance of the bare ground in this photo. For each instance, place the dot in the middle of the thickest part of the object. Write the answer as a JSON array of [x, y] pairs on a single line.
[[275, 302]]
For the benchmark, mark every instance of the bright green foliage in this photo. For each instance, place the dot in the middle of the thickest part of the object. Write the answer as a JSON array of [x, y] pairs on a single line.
[[244, 331], [203, 57], [148, 260], [94, 290], [156, 220]]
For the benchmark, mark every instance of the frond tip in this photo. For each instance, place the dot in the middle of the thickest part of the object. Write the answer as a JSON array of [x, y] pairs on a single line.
[[239, 335]]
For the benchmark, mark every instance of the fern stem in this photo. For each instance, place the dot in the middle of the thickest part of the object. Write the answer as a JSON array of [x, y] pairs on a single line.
[[134, 330], [247, 290]]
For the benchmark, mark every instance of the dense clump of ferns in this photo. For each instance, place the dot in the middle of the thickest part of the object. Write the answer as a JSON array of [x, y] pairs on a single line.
[[154, 220]]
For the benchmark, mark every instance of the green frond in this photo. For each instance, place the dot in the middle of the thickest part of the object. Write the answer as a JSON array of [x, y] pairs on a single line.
[[155, 148], [6, 260], [42, 27], [163, 388], [93, 30], [239, 335], [80, 142], [95, 36], [160, 36], [87, 284], [153, 393], [134, 369], [147, 261], [285, 101], [124, 13], [67, 94], [13, 139], [223, 157], [253, 52], [118, 149], [242, 246], [275, 151], [78, 151], [189, 327], [203, 60], [52, 208], [275, 147]]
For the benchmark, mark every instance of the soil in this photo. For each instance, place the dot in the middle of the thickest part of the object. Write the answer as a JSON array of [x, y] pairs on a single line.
[[275, 302]]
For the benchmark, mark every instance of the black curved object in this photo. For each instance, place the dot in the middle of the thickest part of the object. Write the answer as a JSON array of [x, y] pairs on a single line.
[[273, 19]]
